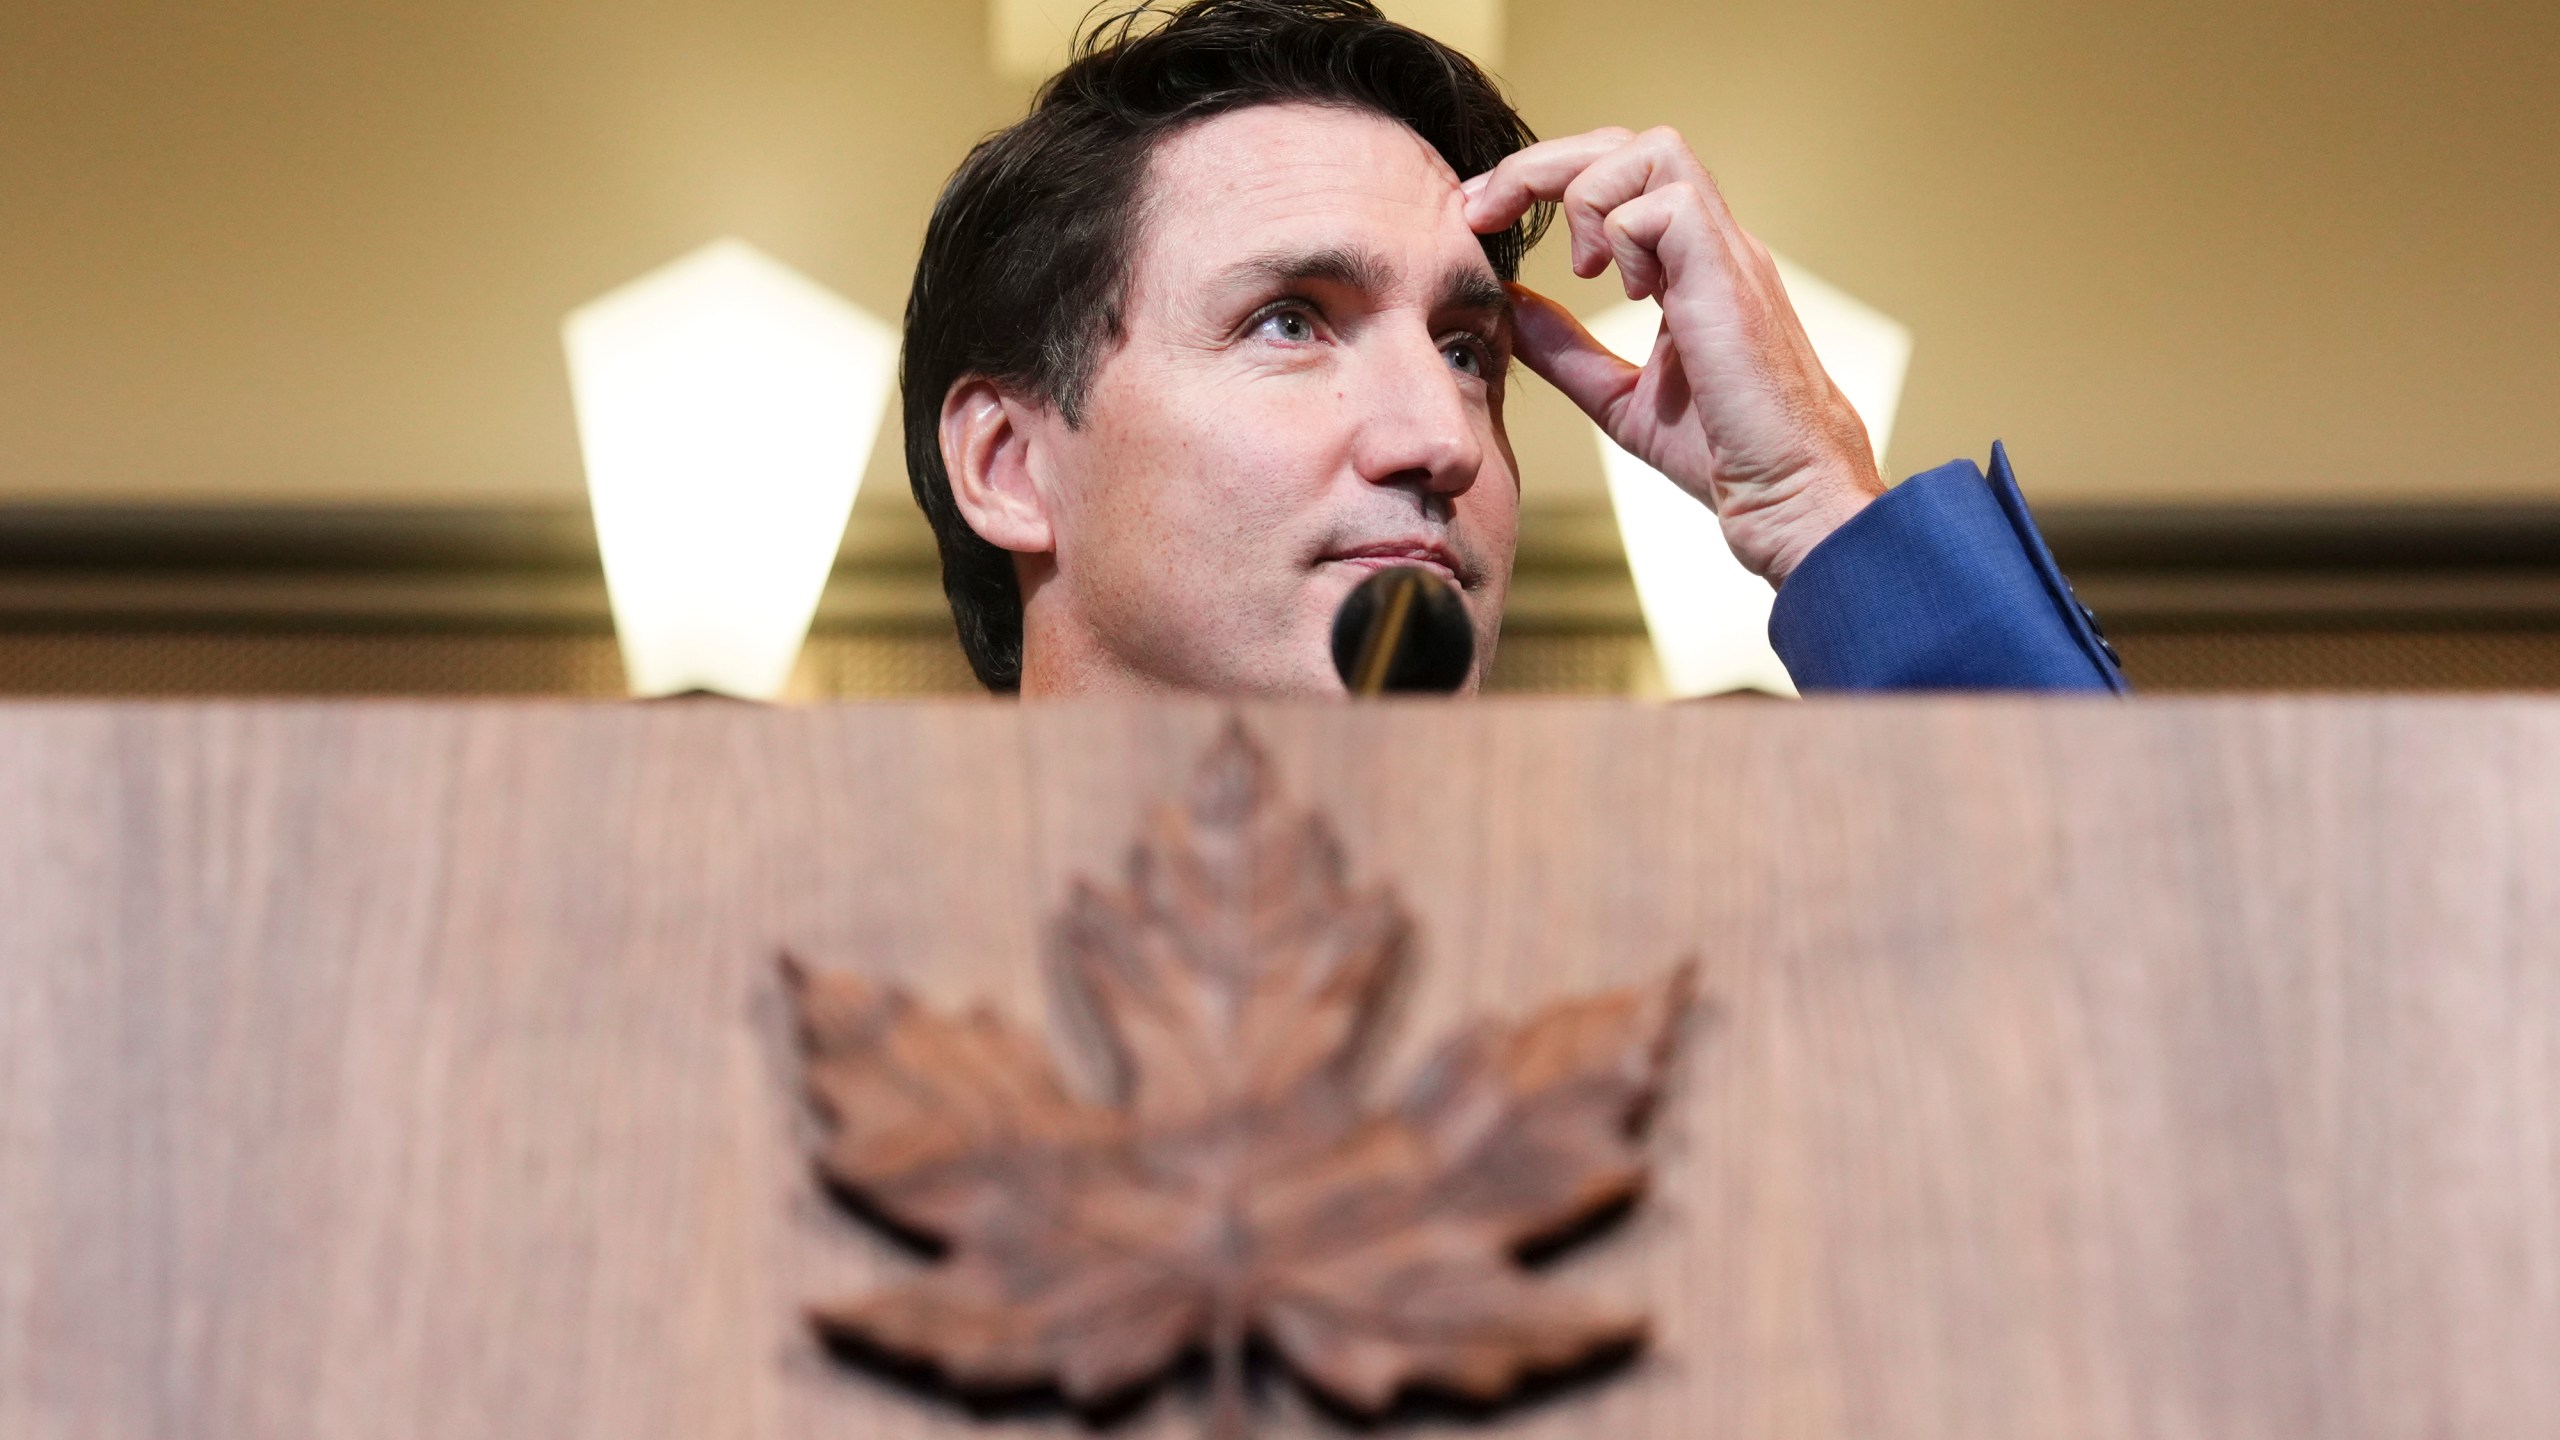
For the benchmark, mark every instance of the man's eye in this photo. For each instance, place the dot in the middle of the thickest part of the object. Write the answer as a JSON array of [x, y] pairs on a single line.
[[1289, 326], [1465, 356]]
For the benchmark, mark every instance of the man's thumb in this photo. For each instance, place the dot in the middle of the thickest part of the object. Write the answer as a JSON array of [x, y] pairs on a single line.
[[1553, 343]]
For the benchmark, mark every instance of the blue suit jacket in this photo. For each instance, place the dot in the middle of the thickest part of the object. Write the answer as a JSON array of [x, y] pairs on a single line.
[[1942, 584]]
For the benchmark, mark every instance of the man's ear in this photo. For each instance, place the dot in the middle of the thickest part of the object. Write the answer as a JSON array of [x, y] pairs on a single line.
[[987, 445]]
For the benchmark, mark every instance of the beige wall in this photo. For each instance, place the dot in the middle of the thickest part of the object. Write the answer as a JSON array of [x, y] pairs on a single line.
[[2180, 250]]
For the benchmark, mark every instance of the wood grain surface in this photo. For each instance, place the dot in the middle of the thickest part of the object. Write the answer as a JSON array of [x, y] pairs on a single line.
[[378, 1071]]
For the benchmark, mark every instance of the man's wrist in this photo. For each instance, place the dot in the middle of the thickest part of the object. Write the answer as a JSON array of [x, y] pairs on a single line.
[[1789, 531]]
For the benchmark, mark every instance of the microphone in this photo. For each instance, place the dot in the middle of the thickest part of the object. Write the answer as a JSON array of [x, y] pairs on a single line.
[[1403, 629]]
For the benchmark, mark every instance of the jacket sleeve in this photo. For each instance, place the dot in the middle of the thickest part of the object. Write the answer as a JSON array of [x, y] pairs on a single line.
[[1941, 584]]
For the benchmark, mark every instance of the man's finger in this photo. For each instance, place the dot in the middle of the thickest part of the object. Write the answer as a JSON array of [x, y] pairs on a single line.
[[1654, 163], [1554, 344], [1501, 195], [1590, 186], [1634, 234]]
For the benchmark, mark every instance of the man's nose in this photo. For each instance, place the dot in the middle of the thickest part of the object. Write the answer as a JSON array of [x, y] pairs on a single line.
[[1418, 431]]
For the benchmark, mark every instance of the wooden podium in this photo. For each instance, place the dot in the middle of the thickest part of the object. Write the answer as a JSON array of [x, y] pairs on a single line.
[[388, 1071]]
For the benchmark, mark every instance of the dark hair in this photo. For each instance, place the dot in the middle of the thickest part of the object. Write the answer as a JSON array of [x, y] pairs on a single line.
[[1026, 260]]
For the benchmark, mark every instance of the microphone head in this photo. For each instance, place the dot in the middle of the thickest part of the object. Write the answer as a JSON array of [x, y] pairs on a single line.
[[1404, 629]]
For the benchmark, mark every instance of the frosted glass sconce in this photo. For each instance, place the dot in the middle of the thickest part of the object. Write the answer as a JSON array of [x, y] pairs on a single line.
[[726, 406]]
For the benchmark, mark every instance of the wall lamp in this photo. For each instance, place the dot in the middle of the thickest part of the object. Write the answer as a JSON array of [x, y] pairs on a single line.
[[726, 408]]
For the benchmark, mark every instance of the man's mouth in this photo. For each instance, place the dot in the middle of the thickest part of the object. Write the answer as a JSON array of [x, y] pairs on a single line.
[[1380, 555]]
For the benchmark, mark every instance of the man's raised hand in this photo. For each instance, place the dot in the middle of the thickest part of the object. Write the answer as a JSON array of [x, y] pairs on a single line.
[[1732, 404]]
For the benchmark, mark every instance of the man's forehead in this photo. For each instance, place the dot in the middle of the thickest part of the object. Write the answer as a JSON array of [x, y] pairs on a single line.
[[1298, 178]]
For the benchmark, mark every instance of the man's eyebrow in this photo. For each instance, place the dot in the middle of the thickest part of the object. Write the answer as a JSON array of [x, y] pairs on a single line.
[[1335, 265], [1464, 287]]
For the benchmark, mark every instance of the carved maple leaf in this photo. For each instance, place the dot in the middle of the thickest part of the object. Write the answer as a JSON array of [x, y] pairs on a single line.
[[1233, 1184]]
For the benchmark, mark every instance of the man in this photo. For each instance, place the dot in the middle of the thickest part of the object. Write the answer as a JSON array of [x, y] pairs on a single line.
[[1225, 325]]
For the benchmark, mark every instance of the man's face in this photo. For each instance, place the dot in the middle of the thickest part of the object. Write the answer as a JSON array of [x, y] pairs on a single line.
[[1309, 390]]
